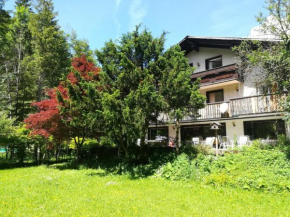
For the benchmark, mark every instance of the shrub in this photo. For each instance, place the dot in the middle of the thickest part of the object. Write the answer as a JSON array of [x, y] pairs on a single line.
[[253, 168], [179, 169], [284, 144]]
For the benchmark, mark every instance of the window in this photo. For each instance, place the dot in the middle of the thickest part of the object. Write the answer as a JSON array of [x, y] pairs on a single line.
[[215, 96], [264, 129], [262, 90], [213, 62], [187, 132], [157, 131]]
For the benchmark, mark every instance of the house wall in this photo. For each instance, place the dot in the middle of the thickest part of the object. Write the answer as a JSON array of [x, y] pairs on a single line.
[[206, 53], [246, 88], [230, 91]]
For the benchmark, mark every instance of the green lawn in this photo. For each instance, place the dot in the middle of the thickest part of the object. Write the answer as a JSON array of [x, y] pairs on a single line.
[[41, 191]]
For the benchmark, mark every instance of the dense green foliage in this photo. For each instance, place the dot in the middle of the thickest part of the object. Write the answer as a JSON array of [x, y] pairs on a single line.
[[145, 80], [50, 191], [35, 54], [258, 167]]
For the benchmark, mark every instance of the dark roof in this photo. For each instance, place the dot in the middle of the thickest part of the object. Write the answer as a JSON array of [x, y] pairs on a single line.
[[190, 43]]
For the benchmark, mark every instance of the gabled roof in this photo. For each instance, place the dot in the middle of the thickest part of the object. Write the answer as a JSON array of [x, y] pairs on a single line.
[[190, 43]]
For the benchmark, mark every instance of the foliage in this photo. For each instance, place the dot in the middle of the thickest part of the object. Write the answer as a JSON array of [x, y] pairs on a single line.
[[265, 170], [79, 102], [16, 83], [145, 81], [179, 169], [283, 144], [81, 47], [266, 63], [34, 57], [6, 128], [4, 22], [258, 167], [51, 58]]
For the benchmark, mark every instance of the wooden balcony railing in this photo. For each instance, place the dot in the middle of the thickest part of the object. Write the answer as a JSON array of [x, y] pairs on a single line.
[[256, 104], [212, 111], [259, 104], [241, 106]]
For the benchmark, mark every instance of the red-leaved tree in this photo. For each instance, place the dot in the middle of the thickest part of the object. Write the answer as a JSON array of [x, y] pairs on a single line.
[[69, 110], [48, 121]]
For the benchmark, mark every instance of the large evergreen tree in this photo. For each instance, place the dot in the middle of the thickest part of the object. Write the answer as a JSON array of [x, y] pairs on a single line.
[[16, 87], [51, 58], [146, 80]]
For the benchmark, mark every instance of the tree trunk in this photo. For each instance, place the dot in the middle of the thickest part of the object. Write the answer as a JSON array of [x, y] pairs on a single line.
[[79, 144], [122, 144]]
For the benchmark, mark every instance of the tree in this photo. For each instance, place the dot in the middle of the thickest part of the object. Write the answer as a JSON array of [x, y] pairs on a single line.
[[50, 59], [181, 94], [47, 121], [6, 127], [4, 22], [25, 3], [16, 81], [137, 68], [267, 62], [81, 47], [80, 102]]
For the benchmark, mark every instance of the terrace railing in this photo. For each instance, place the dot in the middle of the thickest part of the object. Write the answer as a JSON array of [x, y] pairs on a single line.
[[256, 104], [250, 105], [259, 104]]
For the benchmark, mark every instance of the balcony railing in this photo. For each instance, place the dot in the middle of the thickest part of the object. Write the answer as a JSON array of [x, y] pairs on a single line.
[[256, 104], [212, 111], [259, 104]]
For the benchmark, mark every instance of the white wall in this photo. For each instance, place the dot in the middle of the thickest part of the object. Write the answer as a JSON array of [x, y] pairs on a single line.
[[206, 53], [230, 91]]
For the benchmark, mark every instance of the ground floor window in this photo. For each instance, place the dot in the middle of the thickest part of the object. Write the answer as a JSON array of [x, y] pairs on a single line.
[[264, 129], [157, 131], [203, 130]]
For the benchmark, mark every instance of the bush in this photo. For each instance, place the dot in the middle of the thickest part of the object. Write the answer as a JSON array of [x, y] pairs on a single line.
[[253, 168], [284, 144], [180, 169], [266, 170]]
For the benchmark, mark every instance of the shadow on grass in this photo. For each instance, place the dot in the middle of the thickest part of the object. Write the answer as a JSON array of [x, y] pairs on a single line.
[[132, 167]]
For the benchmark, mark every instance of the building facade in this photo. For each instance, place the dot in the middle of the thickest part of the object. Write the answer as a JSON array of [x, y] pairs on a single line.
[[237, 101]]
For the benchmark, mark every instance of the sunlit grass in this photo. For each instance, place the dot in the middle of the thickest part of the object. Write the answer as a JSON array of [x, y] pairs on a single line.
[[42, 191]]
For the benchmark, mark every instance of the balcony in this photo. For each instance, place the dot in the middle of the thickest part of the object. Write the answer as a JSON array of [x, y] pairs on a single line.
[[217, 75], [252, 105]]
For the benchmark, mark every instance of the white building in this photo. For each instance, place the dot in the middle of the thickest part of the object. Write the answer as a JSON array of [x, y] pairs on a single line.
[[242, 107]]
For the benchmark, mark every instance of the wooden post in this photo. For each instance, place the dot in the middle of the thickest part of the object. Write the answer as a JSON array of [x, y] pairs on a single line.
[[216, 144]]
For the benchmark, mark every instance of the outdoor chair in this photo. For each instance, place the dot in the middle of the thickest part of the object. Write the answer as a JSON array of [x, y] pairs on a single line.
[[226, 143], [243, 140], [209, 141], [196, 140]]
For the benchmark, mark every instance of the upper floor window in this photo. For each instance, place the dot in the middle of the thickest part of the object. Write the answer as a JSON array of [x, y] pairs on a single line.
[[214, 62]]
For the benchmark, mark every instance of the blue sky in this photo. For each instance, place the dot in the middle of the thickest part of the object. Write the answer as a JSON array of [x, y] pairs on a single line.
[[101, 20]]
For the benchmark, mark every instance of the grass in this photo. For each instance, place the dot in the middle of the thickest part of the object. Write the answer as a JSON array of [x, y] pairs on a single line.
[[48, 191]]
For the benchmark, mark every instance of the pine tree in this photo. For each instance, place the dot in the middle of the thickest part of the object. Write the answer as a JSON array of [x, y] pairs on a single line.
[[16, 86], [51, 58]]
